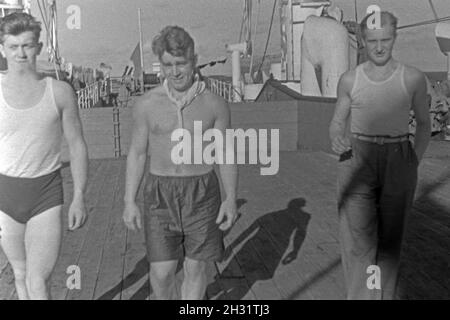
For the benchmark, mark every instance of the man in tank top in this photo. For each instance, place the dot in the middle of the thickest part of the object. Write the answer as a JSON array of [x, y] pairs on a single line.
[[34, 112], [378, 166]]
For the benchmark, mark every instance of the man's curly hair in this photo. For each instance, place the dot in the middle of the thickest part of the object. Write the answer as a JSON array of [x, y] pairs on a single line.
[[174, 40], [17, 23]]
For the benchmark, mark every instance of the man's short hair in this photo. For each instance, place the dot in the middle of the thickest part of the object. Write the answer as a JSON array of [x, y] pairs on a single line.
[[17, 23], [387, 18], [174, 40]]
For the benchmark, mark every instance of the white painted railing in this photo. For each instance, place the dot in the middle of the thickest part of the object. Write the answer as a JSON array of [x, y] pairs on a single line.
[[221, 88], [89, 96]]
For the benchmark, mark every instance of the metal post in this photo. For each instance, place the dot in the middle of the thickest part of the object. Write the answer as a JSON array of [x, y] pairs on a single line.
[[116, 124], [448, 66], [142, 53]]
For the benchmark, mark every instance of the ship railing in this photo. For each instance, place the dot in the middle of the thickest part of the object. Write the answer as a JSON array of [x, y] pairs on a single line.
[[89, 96], [221, 88]]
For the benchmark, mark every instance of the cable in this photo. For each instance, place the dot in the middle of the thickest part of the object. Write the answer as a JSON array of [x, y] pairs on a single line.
[[418, 24], [433, 9], [242, 28], [44, 18], [254, 39], [268, 36]]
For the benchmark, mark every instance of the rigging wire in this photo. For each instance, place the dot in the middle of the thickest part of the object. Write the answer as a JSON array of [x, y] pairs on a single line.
[[255, 29], [242, 28], [433, 9], [44, 18], [268, 36], [48, 14], [418, 24]]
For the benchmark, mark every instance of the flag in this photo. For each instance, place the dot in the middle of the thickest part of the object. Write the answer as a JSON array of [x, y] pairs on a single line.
[[247, 21], [136, 59]]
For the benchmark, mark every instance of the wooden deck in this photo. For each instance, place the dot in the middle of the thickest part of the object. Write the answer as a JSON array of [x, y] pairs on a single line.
[[284, 246]]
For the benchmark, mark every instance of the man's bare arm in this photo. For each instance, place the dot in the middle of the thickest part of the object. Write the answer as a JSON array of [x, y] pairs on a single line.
[[67, 103], [228, 172], [341, 114], [415, 80], [137, 153], [73, 133]]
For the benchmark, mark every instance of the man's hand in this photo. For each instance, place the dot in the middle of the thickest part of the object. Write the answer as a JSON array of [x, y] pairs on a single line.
[[289, 258], [132, 216], [340, 145], [228, 210], [77, 214], [341, 116]]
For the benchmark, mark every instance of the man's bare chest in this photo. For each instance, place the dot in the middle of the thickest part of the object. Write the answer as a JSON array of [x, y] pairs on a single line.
[[165, 118]]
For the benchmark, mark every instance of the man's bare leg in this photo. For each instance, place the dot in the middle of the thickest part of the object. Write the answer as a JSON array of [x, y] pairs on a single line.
[[12, 241], [162, 279], [195, 278], [42, 243]]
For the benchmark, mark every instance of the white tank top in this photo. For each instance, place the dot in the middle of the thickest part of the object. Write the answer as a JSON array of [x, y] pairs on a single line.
[[30, 139], [380, 108]]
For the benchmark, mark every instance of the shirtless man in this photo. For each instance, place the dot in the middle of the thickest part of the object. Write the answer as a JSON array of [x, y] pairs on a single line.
[[378, 168], [184, 217], [33, 113]]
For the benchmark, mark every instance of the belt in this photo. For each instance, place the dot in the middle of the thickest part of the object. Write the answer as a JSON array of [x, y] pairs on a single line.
[[380, 139]]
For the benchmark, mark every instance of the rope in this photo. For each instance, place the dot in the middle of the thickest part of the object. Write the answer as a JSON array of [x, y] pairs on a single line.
[[418, 24], [268, 36], [254, 40], [44, 18], [433, 9]]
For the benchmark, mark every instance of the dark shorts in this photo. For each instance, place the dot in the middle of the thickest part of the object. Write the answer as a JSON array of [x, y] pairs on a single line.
[[24, 198], [180, 218]]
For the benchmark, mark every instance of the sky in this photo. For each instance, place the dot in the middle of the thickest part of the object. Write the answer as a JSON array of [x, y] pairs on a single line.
[[109, 29]]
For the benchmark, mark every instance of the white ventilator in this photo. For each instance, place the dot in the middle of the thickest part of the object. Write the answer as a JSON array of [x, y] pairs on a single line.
[[325, 46], [443, 38], [293, 14]]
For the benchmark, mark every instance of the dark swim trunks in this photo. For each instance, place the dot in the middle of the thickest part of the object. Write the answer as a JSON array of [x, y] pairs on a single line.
[[24, 198], [180, 218]]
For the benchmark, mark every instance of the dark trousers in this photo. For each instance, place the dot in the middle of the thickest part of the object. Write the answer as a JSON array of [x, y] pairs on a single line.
[[376, 188]]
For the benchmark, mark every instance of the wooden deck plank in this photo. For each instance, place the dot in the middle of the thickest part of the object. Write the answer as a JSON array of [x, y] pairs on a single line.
[[426, 251], [136, 285], [272, 226], [252, 237], [261, 239], [308, 180], [136, 282], [72, 244], [109, 282], [273, 185], [231, 277], [286, 229], [93, 244]]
